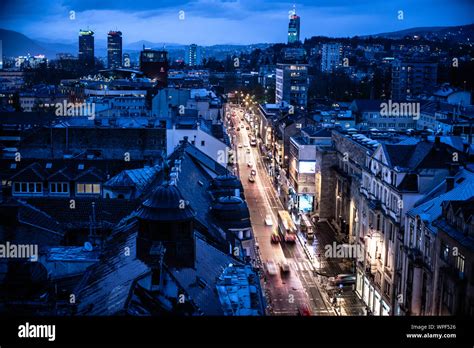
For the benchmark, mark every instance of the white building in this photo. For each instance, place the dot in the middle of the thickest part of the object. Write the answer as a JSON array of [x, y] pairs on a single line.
[[331, 57]]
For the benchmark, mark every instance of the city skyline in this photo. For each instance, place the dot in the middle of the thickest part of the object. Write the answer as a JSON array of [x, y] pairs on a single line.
[[249, 22]]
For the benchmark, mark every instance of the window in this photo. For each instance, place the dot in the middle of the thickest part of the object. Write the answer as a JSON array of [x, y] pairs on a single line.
[[387, 288], [87, 189], [390, 231], [59, 187], [460, 260], [444, 252], [203, 143], [28, 187]]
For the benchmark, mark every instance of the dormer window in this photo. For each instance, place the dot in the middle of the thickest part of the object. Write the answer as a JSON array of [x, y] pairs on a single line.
[[58, 188], [27, 188], [88, 188]]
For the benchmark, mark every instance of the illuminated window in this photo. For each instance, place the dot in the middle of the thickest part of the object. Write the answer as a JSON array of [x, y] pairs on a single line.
[[87, 188]]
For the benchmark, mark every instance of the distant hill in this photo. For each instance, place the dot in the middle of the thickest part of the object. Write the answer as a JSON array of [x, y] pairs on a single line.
[[456, 33], [16, 44], [138, 46]]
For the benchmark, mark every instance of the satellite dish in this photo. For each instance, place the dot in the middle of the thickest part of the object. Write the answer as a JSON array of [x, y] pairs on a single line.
[[88, 246]]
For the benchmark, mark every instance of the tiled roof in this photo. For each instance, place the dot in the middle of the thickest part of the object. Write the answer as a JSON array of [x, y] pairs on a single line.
[[90, 175], [34, 172], [409, 183], [200, 282], [431, 207], [107, 285], [423, 154], [107, 211], [139, 178], [68, 167], [35, 217]]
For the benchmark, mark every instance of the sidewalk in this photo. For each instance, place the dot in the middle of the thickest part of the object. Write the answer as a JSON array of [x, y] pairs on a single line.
[[348, 302]]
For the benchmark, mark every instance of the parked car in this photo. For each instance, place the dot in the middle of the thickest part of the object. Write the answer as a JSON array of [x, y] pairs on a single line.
[[342, 279], [275, 238], [304, 310], [240, 146], [253, 172], [251, 178], [268, 220], [271, 267]]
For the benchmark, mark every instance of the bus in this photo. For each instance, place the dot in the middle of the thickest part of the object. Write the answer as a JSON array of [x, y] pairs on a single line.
[[286, 226], [306, 226]]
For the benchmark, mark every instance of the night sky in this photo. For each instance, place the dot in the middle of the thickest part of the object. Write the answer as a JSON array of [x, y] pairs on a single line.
[[209, 22]]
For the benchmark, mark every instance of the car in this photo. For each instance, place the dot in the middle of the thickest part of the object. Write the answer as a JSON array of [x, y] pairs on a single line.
[[253, 172], [268, 220], [249, 164], [304, 310], [290, 238], [342, 279], [284, 267], [271, 267], [275, 238], [238, 129], [247, 151], [240, 146], [247, 128], [251, 178]]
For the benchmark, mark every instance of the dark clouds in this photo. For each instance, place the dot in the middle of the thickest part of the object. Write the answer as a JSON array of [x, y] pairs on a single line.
[[225, 21]]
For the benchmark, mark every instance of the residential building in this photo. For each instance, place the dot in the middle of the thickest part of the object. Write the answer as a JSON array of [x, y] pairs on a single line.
[[412, 77], [194, 55], [331, 57], [292, 84]]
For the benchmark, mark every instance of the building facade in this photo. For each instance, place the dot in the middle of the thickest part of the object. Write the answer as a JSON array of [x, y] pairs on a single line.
[[331, 56], [292, 84], [114, 49], [86, 47]]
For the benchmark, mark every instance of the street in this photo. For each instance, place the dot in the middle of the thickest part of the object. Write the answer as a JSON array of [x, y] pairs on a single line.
[[305, 286], [298, 288]]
